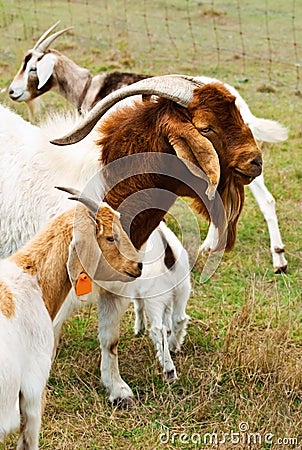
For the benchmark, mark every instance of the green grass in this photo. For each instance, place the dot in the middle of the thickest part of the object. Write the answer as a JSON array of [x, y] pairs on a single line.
[[241, 360]]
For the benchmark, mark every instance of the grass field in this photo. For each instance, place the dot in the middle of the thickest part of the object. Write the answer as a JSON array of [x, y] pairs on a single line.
[[241, 364]]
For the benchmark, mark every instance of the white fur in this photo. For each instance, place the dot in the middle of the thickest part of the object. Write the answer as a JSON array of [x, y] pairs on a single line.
[[25, 356], [265, 130], [163, 294]]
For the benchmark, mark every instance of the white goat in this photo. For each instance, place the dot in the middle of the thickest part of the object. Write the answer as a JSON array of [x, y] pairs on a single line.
[[44, 69], [32, 166], [34, 283], [163, 291]]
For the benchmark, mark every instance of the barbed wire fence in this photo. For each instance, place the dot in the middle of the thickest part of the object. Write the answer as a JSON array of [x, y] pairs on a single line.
[[239, 39]]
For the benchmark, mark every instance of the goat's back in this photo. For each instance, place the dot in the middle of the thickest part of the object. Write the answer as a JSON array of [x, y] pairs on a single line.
[[30, 167]]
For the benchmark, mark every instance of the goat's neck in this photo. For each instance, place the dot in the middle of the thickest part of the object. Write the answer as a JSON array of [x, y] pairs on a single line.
[[71, 80], [132, 197], [45, 257]]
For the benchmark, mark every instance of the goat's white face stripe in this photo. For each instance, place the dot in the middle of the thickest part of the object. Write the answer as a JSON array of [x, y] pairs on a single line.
[[19, 84], [44, 68]]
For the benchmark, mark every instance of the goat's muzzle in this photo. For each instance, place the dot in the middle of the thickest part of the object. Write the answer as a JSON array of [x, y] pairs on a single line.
[[136, 271], [249, 169]]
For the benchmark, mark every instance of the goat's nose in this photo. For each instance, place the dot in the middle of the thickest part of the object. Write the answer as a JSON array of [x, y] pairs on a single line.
[[257, 162], [140, 266]]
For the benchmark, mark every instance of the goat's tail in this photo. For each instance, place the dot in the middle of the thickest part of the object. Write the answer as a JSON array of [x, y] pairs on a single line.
[[267, 130]]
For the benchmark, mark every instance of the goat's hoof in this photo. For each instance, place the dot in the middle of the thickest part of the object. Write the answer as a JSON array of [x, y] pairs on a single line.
[[279, 260], [205, 251], [124, 403], [170, 376], [140, 333], [174, 349], [281, 269]]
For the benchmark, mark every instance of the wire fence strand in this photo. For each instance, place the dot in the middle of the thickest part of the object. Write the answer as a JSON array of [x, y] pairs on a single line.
[[260, 40]]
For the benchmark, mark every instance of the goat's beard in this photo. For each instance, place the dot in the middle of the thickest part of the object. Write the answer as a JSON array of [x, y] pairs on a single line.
[[224, 215], [233, 200]]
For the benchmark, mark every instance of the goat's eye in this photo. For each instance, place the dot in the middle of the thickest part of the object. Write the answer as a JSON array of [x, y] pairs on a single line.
[[33, 70], [113, 238], [205, 130]]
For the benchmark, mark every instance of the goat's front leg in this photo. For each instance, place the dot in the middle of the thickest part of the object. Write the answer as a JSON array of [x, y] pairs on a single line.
[[210, 241], [266, 203], [31, 411], [31, 403], [159, 314], [140, 318], [110, 310], [180, 318]]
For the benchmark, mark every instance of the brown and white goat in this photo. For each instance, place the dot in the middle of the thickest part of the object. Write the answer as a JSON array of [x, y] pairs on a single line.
[[148, 150], [44, 69], [199, 124], [34, 283]]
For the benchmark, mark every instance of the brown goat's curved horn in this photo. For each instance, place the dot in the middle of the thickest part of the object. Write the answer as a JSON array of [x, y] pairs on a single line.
[[77, 195], [45, 40], [178, 88]]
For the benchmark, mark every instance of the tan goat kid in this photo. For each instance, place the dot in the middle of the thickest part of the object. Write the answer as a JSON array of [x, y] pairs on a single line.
[[33, 285]]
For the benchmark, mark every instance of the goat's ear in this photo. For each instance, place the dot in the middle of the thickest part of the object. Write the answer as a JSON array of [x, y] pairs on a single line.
[[191, 146], [85, 255], [45, 68], [74, 266], [84, 252]]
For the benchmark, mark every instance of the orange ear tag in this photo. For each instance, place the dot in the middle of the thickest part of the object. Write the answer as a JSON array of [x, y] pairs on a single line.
[[84, 285]]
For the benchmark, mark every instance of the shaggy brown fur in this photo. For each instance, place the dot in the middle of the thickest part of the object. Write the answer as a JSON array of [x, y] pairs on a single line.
[[146, 128]]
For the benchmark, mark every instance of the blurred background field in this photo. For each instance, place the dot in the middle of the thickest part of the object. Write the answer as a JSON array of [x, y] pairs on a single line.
[[241, 361]]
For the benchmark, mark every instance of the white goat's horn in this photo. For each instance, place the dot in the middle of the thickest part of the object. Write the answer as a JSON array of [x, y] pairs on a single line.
[[91, 204], [70, 190], [178, 88], [45, 40]]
